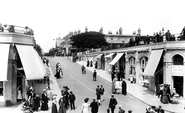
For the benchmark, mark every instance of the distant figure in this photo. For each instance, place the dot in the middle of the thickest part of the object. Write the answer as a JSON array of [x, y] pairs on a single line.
[[94, 106], [47, 62], [112, 103], [87, 63], [91, 63], [168, 35], [83, 69], [96, 65], [94, 75], [183, 33]]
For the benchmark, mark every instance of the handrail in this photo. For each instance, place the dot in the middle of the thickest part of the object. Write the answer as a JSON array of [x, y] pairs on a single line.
[[16, 29]]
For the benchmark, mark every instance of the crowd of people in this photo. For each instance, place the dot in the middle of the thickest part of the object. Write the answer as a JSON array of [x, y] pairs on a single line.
[[154, 109], [66, 101], [33, 102], [165, 94]]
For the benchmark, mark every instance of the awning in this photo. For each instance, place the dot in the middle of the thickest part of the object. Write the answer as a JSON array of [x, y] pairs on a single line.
[[4, 48], [32, 64], [109, 55], [99, 56], [153, 62], [118, 56]]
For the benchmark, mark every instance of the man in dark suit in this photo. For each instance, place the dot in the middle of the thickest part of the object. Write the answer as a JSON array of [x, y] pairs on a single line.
[[72, 99], [112, 104], [94, 106]]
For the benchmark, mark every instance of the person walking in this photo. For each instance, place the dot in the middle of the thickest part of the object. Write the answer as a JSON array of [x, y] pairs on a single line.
[[72, 99], [102, 90], [94, 75], [54, 104], [45, 99], [124, 87], [94, 106], [85, 106], [98, 94], [112, 103], [61, 105]]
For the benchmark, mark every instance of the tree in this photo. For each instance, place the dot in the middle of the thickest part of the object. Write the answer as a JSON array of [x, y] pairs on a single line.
[[53, 51], [38, 49], [88, 40]]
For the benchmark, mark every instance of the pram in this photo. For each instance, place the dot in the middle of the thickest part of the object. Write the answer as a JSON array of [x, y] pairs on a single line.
[[27, 107]]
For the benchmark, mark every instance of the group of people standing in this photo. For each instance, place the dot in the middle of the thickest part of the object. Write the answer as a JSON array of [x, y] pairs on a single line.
[[67, 98], [89, 63], [99, 94], [165, 94], [34, 102]]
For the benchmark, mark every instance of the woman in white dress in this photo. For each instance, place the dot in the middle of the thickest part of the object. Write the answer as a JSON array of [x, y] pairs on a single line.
[[85, 106], [19, 93]]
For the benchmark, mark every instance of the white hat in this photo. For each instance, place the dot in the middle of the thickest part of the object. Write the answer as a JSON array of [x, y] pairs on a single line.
[[119, 106]]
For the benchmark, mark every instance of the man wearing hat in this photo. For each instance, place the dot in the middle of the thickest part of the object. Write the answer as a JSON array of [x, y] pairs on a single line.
[[112, 104]]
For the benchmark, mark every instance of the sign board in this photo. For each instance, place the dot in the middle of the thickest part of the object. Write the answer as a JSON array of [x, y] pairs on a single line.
[[178, 70]]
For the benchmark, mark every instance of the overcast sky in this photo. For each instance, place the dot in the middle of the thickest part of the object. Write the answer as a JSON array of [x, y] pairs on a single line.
[[49, 18]]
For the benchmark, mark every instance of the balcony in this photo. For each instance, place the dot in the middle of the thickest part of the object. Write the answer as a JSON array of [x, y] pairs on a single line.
[[15, 34]]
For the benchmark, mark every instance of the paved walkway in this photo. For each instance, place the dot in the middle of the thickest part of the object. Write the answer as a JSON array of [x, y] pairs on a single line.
[[139, 92], [142, 93]]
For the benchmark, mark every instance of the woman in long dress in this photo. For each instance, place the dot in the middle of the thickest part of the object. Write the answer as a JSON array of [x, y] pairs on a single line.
[[164, 98], [19, 93], [54, 104], [61, 105], [113, 85], [85, 106]]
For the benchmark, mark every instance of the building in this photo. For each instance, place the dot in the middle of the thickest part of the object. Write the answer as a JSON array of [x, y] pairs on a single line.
[[151, 64], [20, 64]]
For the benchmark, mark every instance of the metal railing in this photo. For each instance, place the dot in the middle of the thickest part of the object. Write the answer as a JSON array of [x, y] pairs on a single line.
[[16, 29]]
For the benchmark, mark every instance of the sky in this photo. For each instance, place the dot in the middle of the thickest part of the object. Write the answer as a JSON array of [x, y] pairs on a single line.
[[51, 19]]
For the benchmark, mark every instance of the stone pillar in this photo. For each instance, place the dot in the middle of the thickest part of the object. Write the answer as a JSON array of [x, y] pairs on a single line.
[[14, 82], [138, 68], [127, 67], [11, 84]]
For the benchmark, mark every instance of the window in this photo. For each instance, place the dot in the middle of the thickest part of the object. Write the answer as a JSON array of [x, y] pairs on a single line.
[[143, 62], [1, 88], [178, 60], [132, 65]]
